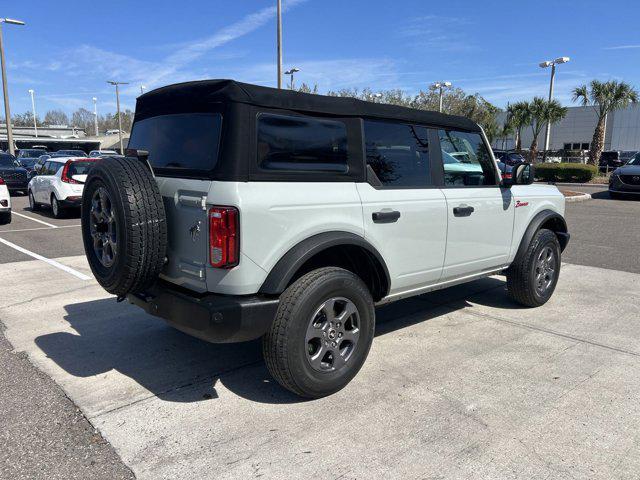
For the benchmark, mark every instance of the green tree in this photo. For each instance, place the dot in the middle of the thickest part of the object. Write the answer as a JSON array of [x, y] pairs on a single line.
[[519, 114], [605, 97], [543, 111]]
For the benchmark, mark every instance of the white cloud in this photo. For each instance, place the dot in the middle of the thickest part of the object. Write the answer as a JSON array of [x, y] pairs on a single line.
[[622, 47]]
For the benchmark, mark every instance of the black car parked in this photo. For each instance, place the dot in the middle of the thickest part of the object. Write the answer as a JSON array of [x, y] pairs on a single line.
[[626, 179], [14, 175]]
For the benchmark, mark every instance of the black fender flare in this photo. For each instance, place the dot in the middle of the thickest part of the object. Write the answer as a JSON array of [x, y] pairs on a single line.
[[536, 222], [281, 274]]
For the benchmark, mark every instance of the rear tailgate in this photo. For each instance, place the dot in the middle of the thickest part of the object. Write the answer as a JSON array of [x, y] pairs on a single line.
[[188, 238]]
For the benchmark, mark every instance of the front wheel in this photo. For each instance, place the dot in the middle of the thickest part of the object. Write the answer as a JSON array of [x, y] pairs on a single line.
[[322, 332], [532, 279]]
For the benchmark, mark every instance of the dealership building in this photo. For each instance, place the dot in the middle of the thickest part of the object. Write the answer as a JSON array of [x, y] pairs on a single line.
[[575, 131]]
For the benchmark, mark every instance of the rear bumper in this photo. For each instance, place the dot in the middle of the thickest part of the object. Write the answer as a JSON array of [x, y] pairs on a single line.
[[72, 202], [214, 318]]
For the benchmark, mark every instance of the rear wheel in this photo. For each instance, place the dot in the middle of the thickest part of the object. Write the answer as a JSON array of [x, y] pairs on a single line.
[[57, 209], [322, 332], [532, 279], [33, 205]]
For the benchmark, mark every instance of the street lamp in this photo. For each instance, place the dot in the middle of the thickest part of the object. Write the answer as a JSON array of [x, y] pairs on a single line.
[[279, 41], [373, 96], [142, 87], [95, 115], [5, 90], [441, 86], [291, 72], [552, 64], [111, 82], [33, 108]]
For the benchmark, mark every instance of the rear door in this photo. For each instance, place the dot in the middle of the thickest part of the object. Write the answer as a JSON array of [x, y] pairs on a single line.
[[480, 213], [183, 149], [405, 214]]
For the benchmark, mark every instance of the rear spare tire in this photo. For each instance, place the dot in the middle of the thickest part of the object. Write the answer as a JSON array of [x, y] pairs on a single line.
[[124, 226]]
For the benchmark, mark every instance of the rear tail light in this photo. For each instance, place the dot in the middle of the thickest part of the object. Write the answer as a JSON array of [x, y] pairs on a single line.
[[1, 181], [506, 175], [65, 173], [224, 237]]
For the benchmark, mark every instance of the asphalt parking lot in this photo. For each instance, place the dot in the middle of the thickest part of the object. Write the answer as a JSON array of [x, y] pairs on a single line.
[[460, 383]]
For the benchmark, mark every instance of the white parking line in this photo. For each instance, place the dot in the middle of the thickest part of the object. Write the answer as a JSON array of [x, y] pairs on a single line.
[[35, 220], [37, 228], [53, 263]]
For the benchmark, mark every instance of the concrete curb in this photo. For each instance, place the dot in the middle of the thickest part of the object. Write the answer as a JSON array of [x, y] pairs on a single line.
[[578, 198], [568, 184]]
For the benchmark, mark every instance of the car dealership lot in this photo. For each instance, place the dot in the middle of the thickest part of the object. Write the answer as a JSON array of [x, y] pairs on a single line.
[[459, 383]]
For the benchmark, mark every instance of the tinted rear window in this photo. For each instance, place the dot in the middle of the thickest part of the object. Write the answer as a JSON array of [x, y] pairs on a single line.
[[297, 143], [80, 168], [188, 141]]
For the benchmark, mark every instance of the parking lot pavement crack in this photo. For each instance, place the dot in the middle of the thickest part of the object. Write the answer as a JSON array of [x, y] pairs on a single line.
[[42, 297], [196, 381], [549, 331]]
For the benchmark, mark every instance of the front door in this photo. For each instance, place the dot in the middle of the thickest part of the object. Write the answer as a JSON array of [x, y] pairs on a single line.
[[480, 213], [405, 215]]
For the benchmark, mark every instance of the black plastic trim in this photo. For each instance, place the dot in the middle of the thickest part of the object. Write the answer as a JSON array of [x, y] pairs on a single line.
[[282, 273], [534, 226], [211, 317]]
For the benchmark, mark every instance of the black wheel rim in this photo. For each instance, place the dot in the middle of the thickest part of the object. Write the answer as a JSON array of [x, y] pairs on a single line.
[[546, 270], [103, 227], [332, 335]]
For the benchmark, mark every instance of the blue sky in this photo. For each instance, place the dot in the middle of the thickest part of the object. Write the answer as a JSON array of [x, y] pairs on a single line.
[[67, 51]]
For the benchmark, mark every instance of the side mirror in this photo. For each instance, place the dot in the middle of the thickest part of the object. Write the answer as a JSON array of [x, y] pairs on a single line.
[[521, 174]]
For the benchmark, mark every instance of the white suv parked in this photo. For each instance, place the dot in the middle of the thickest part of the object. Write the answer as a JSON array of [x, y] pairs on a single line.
[[5, 203], [59, 184], [244, 212]]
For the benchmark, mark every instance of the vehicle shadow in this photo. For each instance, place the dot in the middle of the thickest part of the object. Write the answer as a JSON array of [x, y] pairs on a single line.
[[604, 195], [179, 368]]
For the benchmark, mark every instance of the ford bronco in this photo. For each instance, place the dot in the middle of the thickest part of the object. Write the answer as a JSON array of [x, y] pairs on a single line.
[[243, 212]]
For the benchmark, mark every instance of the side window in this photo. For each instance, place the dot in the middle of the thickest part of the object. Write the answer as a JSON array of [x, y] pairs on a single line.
[[398, 153], [302, 144], [54, 167], [467, 161], [46, 168]]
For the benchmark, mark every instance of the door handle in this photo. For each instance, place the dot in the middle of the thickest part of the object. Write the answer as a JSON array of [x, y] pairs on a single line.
[[387, 216], [463, 211]]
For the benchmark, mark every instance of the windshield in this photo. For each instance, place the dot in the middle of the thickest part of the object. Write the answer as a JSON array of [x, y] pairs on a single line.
[[80, 168], [7, 161], [72, 153], [31, 153], [635, 160], [28, 162]]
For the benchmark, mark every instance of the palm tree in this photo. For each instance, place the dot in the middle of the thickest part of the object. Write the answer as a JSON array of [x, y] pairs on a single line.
[[506, 130], [605, 97], [543, 111], [520, 116]]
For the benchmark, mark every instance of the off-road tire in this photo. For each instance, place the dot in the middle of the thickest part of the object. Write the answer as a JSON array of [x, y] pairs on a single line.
[[521, 274], [141, 227], [5, 218], [284, 345]]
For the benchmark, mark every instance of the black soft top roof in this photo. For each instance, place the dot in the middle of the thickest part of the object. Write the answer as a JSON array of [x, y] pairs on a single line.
[[207, 95]]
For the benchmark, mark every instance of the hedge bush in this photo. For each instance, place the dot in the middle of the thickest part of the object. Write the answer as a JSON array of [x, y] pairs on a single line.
[[565, 172]]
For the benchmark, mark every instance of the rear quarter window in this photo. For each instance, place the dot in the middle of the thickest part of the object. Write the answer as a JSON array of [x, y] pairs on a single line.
[[184, 141], [302, 144]]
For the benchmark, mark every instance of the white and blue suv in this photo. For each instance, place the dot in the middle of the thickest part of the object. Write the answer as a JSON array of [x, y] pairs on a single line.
[[243, 212]]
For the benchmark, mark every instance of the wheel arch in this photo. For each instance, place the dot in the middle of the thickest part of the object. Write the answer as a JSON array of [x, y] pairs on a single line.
[[545, 219], [341, 249]]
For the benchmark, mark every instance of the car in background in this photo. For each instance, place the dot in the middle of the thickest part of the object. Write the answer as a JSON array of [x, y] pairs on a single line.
[[510, 158], [70, 153], [30, 153], [610, 160], [14, 175], [625, 180], [28, 164], [5, 203], [59, 184], [115, 132], [100, 153]]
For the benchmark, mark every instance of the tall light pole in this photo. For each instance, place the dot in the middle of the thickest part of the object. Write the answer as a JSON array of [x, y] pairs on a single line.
[[116, 84], [291, 72], [5, 89], [33, 108], [95, 115], [142, 87], [552, 64], [279, 41], [441, 86]]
